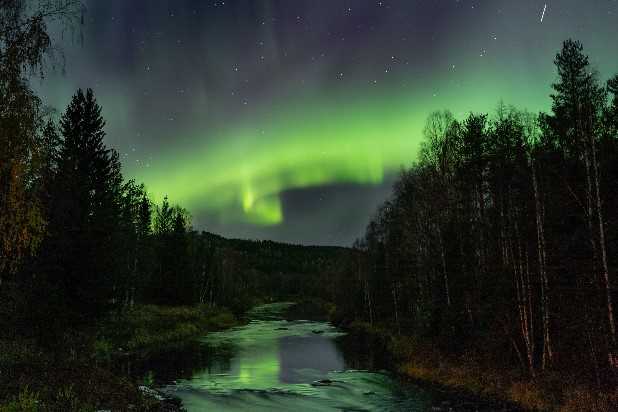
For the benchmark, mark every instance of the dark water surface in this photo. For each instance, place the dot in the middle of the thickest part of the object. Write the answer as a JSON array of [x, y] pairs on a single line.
[[272, 364]]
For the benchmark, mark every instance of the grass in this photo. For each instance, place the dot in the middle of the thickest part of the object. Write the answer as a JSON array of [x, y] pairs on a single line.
[[470, 374], [26, 401], [147, 329], [584, 400], [51, 383], [79, 375]]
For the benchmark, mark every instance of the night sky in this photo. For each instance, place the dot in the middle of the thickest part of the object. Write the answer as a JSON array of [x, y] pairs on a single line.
[[289, 120]]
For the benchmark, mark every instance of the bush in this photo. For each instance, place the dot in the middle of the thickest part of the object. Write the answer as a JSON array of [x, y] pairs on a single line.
[[586, 400], [152, 328], [26, 402], [528, 395], [103, 350]]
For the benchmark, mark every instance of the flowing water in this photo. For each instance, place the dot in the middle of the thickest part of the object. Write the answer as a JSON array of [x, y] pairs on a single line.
[[271, 364]]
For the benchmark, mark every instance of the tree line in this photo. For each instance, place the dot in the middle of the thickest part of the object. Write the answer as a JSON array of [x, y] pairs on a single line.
[[77, 239], [502, 238], [103, 245]]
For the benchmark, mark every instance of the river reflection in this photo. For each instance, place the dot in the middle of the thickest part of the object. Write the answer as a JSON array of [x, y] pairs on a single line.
[[275, 365]]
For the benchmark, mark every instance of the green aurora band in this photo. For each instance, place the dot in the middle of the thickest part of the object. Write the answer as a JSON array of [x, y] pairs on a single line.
[[239, 174], [269, 108]]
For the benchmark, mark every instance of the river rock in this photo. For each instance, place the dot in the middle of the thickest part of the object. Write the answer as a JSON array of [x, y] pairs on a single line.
[[151, 393], [322, 382], [167, 403]]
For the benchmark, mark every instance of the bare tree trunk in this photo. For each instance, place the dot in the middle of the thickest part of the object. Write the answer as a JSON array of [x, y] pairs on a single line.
[[134, 282], [522, 362], [368, 301], [204, 285], [503, 241], [481, 247], [396, 306], [444, 271], [547, 357], [482, 251], [524, 301], [593, 356], [613, 360]]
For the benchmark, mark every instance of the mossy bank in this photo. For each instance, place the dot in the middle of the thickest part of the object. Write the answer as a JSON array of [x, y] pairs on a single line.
[[79, 374], [472, 375]]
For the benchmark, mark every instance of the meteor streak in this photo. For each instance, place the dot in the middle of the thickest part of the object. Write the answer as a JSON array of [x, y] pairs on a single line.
[[543, 14]]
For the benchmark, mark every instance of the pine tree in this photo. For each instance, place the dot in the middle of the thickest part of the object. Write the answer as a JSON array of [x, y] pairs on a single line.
[[163, 218], [180, 274], [85, 210], [578, 106], [145, 257], [612, 112]]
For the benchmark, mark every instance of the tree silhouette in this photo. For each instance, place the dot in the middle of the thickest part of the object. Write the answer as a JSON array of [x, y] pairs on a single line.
[[578, 104], [498, 237], [85, 209]]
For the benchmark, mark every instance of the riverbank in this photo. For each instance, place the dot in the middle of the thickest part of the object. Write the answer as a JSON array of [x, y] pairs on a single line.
[[471, 375], [149, 329], [79, 374]]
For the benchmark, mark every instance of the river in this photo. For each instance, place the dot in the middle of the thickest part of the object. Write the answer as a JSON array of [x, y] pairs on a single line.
[[272, 364]]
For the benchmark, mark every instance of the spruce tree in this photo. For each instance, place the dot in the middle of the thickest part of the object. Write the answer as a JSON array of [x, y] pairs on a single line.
[[85, 209], [145, 257], [579, 102]]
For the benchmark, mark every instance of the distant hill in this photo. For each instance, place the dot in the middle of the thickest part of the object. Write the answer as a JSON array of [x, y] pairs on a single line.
[[268, 270]]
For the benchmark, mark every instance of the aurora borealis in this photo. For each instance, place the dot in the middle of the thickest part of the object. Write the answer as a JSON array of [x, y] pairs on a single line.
[[288, 119], [358, 144]]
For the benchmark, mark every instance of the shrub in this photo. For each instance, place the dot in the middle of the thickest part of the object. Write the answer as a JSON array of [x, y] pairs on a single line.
[[585, 400], [26, 402]]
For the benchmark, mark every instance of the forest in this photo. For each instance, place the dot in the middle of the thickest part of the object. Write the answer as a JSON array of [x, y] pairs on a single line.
[[501, 240], [500, 243]]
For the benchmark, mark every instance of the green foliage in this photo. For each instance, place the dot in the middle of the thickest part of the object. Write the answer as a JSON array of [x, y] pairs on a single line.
[[22, 224], [26, 402], [68, 399], [103, 350], [149, 379], [14, 354], [153, 328]]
